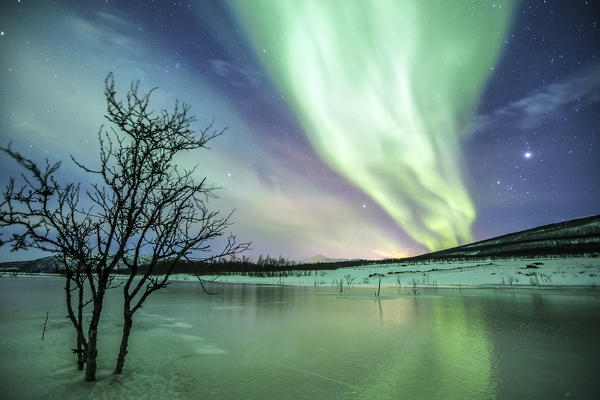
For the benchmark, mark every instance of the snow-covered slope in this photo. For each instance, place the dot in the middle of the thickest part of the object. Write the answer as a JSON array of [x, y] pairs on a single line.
[[578, 236], [42, 265], [319, 259], [516, 272], [45, 265]]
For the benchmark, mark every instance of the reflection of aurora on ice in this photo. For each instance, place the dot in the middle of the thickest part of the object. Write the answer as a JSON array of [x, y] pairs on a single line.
[[452, 360], [384, 91]]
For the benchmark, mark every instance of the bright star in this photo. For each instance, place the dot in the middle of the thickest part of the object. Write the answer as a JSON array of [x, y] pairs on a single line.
[[527, 154]]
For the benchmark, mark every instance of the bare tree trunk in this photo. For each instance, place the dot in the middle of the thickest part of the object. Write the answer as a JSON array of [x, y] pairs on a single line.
[[80, 351], [81, 344], [91, 354], [91, 350], [77, 322], [127, 323]]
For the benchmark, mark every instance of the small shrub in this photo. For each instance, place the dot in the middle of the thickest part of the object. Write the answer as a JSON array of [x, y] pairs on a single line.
[[349, 279], [510, 279], [534, 280]]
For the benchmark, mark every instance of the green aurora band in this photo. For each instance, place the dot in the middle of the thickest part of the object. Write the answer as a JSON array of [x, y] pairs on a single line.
[[385, 91]]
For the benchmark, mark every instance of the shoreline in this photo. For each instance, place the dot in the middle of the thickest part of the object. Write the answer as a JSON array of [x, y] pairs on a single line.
[[572, 273], [193, 279]]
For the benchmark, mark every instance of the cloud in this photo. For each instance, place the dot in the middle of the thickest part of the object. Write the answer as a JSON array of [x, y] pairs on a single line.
[[53, 84], [541, 104], [53, 101], [234, 74]]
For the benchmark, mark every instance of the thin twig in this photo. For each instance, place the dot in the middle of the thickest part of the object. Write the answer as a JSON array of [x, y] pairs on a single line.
[[45, 323]]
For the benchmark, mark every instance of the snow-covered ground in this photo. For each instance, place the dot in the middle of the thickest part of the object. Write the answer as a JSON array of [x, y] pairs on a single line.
[[521, 272], [518, 272]]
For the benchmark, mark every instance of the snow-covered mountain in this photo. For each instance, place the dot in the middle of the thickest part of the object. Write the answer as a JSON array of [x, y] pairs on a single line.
[[577, 236], [319, 259], [45, 265]]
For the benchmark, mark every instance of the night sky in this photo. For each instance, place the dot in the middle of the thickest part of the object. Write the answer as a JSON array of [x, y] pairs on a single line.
[[355, 128]]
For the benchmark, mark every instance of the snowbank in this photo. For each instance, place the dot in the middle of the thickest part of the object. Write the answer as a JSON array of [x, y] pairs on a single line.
[[518, 272], [538, 272]]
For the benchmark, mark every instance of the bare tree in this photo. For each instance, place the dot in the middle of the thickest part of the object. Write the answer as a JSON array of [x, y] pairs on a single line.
[[141, 211], [165, 216], [47, 217], [75, 279]]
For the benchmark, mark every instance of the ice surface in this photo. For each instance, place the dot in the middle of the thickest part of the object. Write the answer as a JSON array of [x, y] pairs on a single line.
[[178, 324], [258, 341]]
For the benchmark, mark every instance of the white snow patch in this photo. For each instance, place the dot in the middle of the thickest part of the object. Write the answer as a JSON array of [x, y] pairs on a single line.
[[189, 338], [542, 272], [178, 324], [209, 349]]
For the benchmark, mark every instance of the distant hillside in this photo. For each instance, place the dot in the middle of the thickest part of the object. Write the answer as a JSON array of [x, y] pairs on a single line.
[[41, 265], [577, 236], [319, 258], [46, 264]]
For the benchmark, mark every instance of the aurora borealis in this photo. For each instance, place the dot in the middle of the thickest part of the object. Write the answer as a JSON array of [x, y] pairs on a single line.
[[383, 90], [355, 128]]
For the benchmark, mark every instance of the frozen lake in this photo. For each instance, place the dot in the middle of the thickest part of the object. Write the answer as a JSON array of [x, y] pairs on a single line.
[[258, 342]]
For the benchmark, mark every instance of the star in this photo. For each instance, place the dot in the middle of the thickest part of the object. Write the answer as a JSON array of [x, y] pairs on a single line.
[[527, 72]]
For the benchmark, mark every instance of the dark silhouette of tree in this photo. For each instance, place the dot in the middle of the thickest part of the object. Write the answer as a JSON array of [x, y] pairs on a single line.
[[143, 211], [165, 216], [47, 217], [75, 279]]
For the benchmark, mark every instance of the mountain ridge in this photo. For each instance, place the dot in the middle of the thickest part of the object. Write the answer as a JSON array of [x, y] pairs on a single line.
[[580, 236]]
